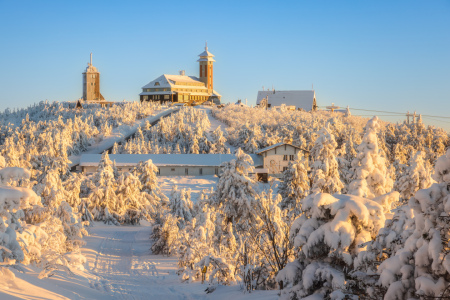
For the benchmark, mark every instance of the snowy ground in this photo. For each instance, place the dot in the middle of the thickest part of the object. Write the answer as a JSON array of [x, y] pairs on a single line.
[[195, 183], [119, 266]]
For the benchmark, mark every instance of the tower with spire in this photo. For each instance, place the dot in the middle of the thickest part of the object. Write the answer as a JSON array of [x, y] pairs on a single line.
[[206, 68], [91, 84]]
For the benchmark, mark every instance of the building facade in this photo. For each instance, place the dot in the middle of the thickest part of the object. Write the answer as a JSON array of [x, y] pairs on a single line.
[[168, 164], [276, 158], [185, 89], [91, 84]]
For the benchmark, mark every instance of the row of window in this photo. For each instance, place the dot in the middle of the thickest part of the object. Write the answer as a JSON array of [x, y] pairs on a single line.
[[291, 157], [175, 90], [157, 97], [186, 171]]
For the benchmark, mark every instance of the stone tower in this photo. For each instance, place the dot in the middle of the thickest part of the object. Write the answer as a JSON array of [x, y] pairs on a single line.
[[206, 68], [91, 84]]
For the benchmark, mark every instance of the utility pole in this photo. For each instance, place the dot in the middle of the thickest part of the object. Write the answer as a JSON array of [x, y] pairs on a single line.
[[407, 117]]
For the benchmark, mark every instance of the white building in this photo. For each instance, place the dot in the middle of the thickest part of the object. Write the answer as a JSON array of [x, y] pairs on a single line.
[[276, 158], [168, 164], [272, 160], [305, 100]]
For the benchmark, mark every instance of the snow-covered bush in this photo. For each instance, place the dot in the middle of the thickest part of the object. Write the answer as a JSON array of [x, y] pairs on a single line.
[[12, 201], [8, 174]]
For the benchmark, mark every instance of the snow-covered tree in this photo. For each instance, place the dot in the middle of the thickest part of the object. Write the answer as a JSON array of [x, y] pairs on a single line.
[[235, 188], [417, 176], [371, 177], [328, 236], [419, 264], [295, 183], [180, 205], [165, 235], [218, 140], [324, 169], [103, 198]]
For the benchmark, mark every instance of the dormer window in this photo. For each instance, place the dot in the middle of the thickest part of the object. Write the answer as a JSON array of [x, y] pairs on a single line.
[[156, 83]]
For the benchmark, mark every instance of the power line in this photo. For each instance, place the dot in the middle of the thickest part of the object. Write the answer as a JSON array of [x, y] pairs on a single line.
[[381, 111], [373, 115], [395, 113], [437, 120]]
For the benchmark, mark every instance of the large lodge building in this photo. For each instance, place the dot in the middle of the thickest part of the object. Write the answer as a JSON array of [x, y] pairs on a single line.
[[184, 89]]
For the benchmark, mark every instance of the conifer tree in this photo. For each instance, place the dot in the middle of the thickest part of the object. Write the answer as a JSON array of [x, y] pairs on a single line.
[[416, 177], [371, 177], [295, 183], [324, 169], [235, 189]]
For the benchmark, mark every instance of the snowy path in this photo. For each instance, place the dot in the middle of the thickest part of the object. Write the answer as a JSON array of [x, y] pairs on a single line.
[[117, 135], [120, 256], [119, 266], [214, 124]]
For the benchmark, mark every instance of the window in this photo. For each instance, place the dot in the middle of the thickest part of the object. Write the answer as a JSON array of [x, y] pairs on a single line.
[[285, 157], [216, 171], [156, 83], [186, 171], [166, 97], [285, 168], [201, 171], [291, 157], [173, 169], [159, 171]]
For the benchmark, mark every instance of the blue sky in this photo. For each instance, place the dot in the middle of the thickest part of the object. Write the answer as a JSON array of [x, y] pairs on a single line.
[[379, 55]]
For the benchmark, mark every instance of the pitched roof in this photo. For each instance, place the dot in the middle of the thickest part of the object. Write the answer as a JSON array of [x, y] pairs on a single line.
[[168, 81], [206, 55], [160, 160], [299, 99], [275, 146]]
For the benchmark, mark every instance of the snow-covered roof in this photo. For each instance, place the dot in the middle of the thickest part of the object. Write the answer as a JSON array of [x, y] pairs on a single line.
[[157, 93], [168, 81], [275, 146], [299, 99], [206, 55], [160, 160]]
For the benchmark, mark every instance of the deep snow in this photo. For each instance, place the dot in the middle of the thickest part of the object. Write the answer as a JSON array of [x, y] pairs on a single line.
[[119, 266]]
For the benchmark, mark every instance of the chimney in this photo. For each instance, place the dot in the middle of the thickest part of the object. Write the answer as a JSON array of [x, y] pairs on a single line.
[[182, 73]]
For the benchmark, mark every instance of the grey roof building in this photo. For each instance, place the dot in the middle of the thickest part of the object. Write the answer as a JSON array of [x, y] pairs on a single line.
[[305, 100]]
